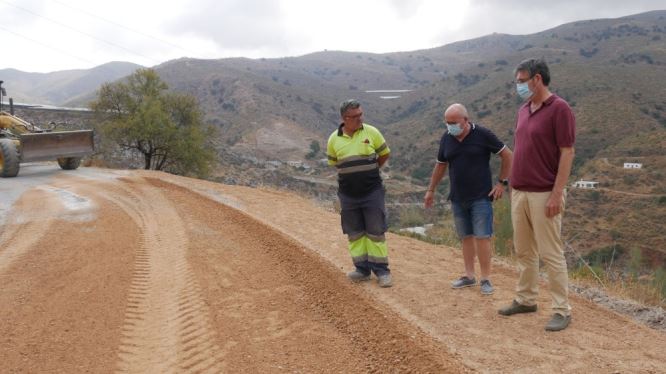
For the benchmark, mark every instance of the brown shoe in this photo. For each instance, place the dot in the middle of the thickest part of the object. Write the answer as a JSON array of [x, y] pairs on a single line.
[[558, 322], [516, 308]]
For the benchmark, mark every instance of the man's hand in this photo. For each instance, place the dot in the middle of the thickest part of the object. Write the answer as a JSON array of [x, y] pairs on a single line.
[[497, 191], [556, 198], [554, 204], [381, 160], [429, 199]]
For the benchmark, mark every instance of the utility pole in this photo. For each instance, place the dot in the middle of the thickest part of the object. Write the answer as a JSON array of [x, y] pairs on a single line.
[[2, 92]]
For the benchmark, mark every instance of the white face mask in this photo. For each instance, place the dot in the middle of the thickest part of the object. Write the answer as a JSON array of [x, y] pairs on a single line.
[[454, 129], [523, 90]]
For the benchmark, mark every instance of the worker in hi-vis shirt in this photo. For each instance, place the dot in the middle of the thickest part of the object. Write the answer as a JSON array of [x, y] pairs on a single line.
[[358, 150]]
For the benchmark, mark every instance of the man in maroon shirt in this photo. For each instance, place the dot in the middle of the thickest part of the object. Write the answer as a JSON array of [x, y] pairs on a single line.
[[543, 155]]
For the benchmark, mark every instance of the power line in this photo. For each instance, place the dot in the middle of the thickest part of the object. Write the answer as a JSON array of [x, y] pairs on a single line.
[[79, 31], [49, 46], [125, 27]]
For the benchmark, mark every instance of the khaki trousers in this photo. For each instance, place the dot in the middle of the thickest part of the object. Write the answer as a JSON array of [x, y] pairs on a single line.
[[537, 236]]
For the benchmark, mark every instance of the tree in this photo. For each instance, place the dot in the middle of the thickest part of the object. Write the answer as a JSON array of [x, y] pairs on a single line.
[[165, 127], [314, 150]]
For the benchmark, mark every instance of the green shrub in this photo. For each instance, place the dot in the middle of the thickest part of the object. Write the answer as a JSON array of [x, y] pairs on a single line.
[[660, 281], [595, 195], [422, 172], [635, 262], [604, 256], [411, 216]]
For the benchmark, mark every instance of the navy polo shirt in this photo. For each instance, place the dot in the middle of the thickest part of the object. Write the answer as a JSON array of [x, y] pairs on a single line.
[[469, 162]]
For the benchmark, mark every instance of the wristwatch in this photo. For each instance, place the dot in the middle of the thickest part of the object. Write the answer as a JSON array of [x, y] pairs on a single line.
[[505, 182]]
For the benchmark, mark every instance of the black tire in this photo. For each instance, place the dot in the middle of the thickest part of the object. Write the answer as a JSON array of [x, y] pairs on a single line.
[[69, 163], [9, 158]]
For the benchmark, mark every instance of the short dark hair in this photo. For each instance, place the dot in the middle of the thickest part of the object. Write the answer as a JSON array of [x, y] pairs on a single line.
[[534, 66], [348, 104]]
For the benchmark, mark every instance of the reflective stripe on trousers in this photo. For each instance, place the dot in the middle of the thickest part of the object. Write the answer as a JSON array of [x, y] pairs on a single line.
[[364, 221]]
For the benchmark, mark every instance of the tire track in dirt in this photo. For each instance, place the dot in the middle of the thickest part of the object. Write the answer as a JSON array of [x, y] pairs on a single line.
[[167, 280], [280, 307], [166, 325]]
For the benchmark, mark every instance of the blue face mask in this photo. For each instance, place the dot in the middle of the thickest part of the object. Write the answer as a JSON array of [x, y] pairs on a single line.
[[523, 91], [454, 129]]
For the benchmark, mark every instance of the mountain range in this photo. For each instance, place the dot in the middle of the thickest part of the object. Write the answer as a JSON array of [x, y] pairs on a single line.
[[57, 88]]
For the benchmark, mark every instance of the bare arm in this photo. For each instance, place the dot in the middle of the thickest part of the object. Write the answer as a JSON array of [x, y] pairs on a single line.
[[437, 175], [506, 156], [381, 160], [554, 204]]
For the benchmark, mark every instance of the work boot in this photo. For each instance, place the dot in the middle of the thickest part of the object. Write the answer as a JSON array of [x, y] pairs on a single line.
[[357, 276], [385, 280], [516, 308], [558, 322]]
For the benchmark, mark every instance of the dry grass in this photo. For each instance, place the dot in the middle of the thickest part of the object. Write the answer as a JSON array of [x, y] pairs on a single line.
[[644, 290]]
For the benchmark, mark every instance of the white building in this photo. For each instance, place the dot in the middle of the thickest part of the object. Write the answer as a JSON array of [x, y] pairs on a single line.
[[632, 165], [419, 230], [585, 184]]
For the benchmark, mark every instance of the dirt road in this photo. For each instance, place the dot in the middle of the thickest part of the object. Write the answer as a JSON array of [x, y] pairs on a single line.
[[144, 272]]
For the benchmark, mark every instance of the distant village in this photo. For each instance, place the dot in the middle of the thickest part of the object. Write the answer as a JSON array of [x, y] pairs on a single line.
[[593, 184]]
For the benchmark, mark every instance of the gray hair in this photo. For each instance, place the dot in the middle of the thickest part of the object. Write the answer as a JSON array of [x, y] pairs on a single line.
[[348, 104], [534, 66]]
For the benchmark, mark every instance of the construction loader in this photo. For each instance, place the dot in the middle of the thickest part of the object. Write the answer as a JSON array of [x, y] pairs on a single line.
[[21, 141]]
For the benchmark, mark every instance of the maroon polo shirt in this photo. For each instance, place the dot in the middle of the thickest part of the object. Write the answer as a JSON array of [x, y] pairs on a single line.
[[538, 138]]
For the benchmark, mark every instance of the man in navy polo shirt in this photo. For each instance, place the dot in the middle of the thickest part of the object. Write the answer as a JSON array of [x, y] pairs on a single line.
[[465, 149]]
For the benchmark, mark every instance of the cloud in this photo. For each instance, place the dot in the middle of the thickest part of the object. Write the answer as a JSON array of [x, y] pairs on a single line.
[[269, 28], [235, 24], [517, 17], [20, 14], [406, 9], [152, 31], [570, 9]]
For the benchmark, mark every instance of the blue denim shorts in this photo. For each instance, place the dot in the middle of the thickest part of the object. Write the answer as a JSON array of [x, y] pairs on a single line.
[[473, 218]]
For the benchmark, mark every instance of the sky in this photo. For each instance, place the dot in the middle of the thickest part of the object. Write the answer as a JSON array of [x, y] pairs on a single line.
[[52, 35]]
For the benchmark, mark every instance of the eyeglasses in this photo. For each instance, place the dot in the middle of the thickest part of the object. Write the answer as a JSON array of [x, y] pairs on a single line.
[[524, 79]]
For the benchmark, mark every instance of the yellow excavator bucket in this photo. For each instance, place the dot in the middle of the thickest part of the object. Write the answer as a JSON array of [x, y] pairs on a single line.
[[53, 145]]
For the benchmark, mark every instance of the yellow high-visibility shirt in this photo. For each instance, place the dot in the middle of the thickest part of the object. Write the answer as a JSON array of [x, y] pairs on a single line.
[[355, 157]]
